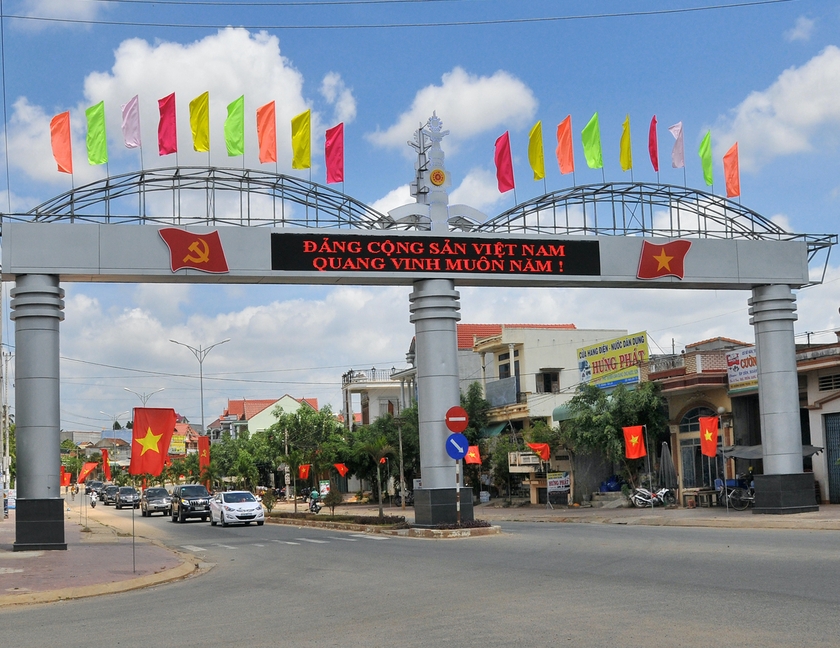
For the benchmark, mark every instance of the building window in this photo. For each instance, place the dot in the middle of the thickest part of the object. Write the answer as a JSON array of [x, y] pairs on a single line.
[[698, 471], [548, 382], [504, 365], [829, 383]]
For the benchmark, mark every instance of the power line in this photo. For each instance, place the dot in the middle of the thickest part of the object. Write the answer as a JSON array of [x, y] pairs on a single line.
[[456, 23]]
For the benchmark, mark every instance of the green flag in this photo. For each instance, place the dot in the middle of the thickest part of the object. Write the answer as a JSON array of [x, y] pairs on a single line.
[[591, 136], [235, 127], [705, 154], [97, 144]]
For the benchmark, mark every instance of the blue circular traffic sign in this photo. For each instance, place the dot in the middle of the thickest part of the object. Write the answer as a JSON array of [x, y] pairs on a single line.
[[457, 446]]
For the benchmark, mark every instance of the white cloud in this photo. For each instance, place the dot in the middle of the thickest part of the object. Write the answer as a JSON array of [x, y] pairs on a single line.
[[790, 116], [394, 198], [468, 105], [478, 189], [228, 64], [337, 94], [77, 10], [801, 31]]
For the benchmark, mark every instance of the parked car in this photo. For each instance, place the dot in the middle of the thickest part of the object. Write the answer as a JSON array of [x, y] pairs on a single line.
[[235, 507], [93, 487], [127, 496], [155, 499], [190, 500], [108, 495]]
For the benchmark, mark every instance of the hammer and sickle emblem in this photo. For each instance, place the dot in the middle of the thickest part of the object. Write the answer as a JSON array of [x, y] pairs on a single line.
[[201, 251]]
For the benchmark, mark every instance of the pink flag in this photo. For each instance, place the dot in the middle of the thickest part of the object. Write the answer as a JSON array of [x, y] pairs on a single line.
[[334, 153], [60, 139], [504, 164], [565, 153], [131, 123], [653, 145], [732, 172], [267, 133], [678, 153], [167, 131]]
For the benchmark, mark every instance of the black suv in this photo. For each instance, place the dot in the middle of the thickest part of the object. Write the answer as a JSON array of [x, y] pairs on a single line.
[[190, 500]]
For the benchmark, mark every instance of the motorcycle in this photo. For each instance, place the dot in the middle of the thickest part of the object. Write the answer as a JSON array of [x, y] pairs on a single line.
[[643, 498], [409, 499], [93, 501], [314, 507]]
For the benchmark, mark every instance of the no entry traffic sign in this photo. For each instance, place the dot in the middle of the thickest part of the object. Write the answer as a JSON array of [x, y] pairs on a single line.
[[456, 419]]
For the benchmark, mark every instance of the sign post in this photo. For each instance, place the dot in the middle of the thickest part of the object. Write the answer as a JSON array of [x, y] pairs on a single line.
[[457, 445]]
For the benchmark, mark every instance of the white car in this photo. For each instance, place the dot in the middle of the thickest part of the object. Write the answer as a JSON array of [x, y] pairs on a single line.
[[233, 507]]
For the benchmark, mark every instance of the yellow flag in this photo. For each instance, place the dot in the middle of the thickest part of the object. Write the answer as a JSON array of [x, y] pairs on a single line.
[[626, 153], [535, 151], [301, 141], [200, 122]]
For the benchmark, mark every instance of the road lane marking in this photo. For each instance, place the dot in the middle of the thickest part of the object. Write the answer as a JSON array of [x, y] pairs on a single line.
[[258, 545], [224, 546], [313, 541], [285, 542], [193, 548], [344, 539], [368, 537]]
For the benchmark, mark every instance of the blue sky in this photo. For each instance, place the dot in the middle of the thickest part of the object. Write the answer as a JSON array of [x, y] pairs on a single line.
[[766, 75]]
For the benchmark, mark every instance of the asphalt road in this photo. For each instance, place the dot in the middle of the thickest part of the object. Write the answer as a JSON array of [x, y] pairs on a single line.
[[537, 584]]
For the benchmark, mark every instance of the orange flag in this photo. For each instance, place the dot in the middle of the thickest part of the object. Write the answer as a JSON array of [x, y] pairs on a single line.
[[153, 428], [60, 140], [541, 450], [473, 456], [732, 172], [342, 469], [267, 133], [303, 471], [708, 435], [565, 153], [203, 452], [634, 442], [666, 260]]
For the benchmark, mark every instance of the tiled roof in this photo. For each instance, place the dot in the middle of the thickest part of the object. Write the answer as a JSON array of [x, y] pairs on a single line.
[[312, 402], [717, 339], [245, 409], [469, 333]]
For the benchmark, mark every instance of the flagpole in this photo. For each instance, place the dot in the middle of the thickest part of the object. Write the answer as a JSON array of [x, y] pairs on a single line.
[[647, 454], [133, 557]]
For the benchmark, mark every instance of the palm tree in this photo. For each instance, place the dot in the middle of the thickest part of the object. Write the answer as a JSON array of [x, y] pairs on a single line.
[[377, 449]]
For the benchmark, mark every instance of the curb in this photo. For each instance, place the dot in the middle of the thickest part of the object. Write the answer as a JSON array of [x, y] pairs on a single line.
[[402, 533], [184, 570], [793, 524]]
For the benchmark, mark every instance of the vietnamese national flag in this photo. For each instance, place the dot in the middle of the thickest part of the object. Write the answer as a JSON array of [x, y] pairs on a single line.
[[203, 452], [708, 435], [666, 260], [87, 468], [153, 428], [197, 251], [473, 456], [541, 450], [634, 441], [342, 469], [65, 478], [106, 465], [303, 471]]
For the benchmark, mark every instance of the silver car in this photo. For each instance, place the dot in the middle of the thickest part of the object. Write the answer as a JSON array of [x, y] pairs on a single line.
[[127, 496], [155, 500]]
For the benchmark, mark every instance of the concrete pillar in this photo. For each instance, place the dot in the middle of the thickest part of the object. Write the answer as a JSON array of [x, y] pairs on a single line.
[[37, 302], [783, 488], [434, 313]]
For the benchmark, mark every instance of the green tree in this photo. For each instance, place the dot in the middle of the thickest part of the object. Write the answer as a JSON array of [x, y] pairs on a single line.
[[477, 409], [376, 449]]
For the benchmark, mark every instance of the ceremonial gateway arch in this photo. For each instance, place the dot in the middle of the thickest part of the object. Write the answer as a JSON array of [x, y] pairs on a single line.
[[211, 225]]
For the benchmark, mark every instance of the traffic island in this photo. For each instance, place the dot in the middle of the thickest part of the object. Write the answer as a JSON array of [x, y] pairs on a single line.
[[389, 525]]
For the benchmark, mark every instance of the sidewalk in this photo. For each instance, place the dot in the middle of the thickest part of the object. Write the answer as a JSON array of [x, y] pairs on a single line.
[[98, 561]]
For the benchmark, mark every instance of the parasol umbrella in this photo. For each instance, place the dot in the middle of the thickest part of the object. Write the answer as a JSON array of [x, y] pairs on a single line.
[[667, 472]]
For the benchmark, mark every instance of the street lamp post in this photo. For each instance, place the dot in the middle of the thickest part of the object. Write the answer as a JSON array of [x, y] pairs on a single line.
[[399, 421], [114, 417], [200, 353], [144, 397]]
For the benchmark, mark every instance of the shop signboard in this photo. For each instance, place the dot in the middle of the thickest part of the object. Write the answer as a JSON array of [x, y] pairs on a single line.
[[559, 482], [178, 446], [742, 368], [324, 487], [613, 362]]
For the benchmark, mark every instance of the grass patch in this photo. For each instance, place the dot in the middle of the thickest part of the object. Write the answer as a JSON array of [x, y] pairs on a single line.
[[397, 521]]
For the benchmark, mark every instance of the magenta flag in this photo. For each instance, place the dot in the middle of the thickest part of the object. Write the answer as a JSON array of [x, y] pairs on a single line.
[[678, 153], [504, 164], [131, 123], [167, 131], [653, 145], [334, 153]]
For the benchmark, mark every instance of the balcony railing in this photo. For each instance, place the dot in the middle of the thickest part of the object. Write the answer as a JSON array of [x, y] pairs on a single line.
[[666, 363], [503, 392], [367, 375]]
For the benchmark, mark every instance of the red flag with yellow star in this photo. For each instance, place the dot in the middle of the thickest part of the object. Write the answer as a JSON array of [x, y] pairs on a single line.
[[472, 456], [666, 260], [342, 469], [634, 442], [708, 435], [542, 450], [153, 428]]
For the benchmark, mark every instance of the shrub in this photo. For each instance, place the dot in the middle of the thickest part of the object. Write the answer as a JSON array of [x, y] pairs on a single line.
[[268, 500], [333, 499]]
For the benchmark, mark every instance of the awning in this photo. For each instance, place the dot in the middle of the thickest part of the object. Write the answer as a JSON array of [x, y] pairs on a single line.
[[562, 413], [757, 451], [493, 430]]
